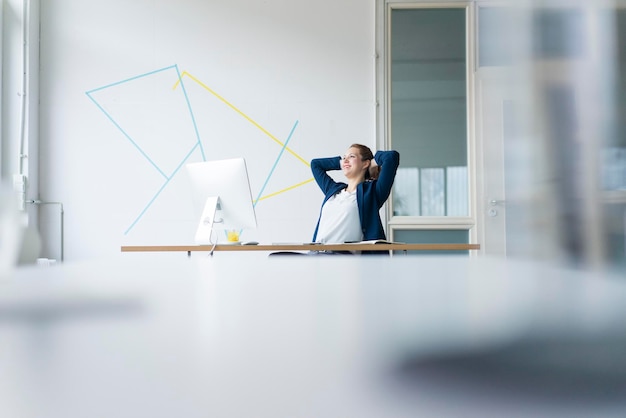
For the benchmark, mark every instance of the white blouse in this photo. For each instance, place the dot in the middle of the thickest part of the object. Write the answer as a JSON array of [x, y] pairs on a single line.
[[340, 221]]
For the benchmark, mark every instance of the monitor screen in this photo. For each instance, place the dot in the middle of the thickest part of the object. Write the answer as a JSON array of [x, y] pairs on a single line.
[[222, 199]]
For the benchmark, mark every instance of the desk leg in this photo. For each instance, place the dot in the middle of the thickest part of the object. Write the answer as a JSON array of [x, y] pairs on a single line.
[[188, 253]]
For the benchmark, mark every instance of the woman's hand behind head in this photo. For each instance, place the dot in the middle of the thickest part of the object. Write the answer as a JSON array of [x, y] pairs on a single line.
[[374, 171]]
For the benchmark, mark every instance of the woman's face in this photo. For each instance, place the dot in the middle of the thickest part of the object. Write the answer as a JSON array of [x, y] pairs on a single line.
[[352, 164]]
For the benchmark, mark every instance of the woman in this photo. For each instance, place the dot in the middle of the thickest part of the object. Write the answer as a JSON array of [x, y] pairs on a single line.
[[350, 211]]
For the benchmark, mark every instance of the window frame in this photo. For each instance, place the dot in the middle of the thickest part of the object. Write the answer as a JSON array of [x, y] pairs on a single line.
[[383, 114]]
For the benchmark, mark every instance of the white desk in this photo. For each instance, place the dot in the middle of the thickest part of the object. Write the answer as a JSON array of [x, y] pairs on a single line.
[[311, 337], [301, 247]]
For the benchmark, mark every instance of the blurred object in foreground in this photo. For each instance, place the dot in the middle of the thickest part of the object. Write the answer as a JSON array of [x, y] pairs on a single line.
[[564, 131], [30, 246], [10, 231], [221, 336], [577, 73]]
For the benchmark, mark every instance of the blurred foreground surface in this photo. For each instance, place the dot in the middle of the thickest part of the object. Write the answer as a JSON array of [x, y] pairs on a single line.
[[311, 337]]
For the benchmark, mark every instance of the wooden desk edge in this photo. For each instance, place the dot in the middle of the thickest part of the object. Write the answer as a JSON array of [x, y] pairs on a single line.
[[302, 247]]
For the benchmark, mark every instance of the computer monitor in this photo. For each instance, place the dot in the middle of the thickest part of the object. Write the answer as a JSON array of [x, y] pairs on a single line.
[[222, 199]]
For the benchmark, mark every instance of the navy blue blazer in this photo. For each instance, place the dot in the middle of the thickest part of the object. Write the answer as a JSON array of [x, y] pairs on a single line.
[[370, 195]]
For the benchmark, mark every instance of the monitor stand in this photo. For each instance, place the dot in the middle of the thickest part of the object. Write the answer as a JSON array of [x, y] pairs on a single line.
[[209, 217]]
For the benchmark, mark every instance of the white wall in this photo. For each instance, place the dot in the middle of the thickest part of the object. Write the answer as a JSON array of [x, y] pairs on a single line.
[[11, 71], [19, 108], [116, 129]]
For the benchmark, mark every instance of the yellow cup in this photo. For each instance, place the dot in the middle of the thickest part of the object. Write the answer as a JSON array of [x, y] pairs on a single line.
[[232, 235]]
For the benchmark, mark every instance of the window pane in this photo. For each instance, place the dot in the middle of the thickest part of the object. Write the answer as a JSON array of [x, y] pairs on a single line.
[[455, 236], [613, 155], [429, 111], [456, 191], [496, 50], [406, 192], [432, 192]]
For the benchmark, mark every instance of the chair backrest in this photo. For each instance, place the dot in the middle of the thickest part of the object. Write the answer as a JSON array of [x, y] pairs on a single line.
[[275, 253], [30, 247]]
